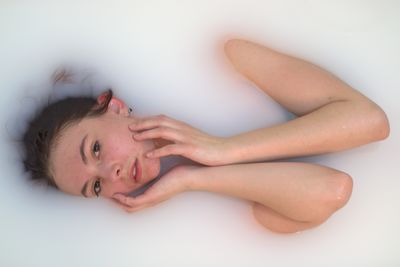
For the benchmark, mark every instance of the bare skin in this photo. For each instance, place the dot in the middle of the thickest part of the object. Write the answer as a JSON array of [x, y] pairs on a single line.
[[286, 196]]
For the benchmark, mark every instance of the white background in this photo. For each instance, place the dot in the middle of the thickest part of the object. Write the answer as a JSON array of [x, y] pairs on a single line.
[[166, 57]]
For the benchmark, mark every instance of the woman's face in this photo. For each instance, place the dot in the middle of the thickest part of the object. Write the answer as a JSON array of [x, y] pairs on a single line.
[[99, 154]]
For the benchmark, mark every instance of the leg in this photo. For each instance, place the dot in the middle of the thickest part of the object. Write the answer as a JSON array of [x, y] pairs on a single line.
[[280, 223], [301, 192], [277, 222]]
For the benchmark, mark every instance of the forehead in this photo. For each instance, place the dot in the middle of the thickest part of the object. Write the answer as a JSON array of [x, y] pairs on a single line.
[[65, 161]]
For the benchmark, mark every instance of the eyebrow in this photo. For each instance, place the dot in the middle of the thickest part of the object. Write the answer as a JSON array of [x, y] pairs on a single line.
[[82, 150], [84, 159]]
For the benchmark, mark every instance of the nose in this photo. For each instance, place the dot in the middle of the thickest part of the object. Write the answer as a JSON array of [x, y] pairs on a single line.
[[113, 172]]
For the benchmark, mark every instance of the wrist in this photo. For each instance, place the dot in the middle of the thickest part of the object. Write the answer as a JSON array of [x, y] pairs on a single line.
[[188, 176], [193, 177], [231, 153]]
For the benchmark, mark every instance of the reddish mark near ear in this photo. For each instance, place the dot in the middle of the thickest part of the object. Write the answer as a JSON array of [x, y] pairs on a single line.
[[102, 98]]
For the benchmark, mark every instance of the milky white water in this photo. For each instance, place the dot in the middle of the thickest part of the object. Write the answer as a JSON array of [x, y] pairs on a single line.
[[166, 57]]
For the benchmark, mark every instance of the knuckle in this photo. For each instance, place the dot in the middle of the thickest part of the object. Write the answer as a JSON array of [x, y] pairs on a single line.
[[185, 138], [163, 130], [162, 117], [127, 201], [124, 200]]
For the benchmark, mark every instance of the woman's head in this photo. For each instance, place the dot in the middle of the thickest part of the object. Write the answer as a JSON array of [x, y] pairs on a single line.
[[83, 146]]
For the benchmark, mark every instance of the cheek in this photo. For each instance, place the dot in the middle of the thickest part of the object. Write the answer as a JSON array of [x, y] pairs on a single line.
[[121, 146], [152, 168], [117, 187]]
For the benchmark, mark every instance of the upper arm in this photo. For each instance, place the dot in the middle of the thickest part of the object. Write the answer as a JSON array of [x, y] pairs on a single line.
[[299, 86]]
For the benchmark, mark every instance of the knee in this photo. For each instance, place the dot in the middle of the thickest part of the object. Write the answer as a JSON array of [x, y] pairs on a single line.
[[335, 194], [341, 190], [338, 193], [380, 127]]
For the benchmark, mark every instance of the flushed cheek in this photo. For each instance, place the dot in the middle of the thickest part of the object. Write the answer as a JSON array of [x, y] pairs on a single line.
[[109, 189], [153, 168], [122, 147]]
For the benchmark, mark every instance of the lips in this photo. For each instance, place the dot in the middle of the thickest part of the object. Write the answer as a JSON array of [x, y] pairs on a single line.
[[136, 171]]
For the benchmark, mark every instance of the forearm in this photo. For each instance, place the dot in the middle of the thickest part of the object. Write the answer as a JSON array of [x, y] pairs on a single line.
[[296, 190], [336, 126]]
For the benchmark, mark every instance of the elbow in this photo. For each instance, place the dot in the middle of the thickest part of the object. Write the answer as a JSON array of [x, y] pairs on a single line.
[[379, 123]]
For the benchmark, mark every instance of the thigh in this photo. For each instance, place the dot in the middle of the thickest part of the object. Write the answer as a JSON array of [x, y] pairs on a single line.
[[277, 222]]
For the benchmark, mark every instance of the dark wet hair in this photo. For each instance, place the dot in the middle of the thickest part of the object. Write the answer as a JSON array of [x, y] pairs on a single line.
[[44, 128]]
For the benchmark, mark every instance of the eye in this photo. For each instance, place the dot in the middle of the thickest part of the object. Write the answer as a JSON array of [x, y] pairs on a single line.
[[97, 187], [96, 148]]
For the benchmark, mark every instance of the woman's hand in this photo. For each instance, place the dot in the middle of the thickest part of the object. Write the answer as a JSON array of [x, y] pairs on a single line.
[[175, 181], [185, 140]]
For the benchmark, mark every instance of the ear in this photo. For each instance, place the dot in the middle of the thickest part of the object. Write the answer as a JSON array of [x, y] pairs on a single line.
[[115, 105]]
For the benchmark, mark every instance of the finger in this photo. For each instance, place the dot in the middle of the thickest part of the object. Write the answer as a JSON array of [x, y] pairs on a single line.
[[151, 122], [155, 121], [142, 201], [133, 202], [134, 209], [161, 132], [116, 201], [130, 209], [168, 150], [123, 206]]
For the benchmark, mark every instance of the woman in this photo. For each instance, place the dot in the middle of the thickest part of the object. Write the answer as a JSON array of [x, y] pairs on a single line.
[[94, 147]]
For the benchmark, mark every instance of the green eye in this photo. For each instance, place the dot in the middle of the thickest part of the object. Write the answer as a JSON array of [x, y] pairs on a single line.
[[96, 148], [97, 187]]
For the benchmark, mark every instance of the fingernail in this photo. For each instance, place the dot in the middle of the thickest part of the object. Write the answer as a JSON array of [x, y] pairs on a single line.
[[149, 154]]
